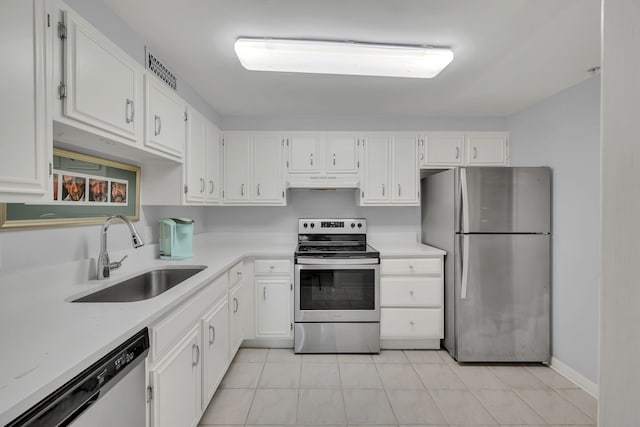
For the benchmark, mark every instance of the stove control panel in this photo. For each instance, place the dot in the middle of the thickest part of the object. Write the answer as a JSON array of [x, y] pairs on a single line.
[[332, 226]]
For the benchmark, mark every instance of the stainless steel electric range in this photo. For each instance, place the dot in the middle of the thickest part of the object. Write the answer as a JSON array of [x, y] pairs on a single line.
[[337, 288]]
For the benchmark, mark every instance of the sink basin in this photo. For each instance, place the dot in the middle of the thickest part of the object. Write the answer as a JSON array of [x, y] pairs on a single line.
[[143, 286]]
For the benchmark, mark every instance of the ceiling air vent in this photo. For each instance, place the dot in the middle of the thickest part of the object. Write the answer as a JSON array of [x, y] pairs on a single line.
[[154, 65]]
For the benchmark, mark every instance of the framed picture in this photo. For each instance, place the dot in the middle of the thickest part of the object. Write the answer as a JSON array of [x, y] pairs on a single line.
[[86, 190]]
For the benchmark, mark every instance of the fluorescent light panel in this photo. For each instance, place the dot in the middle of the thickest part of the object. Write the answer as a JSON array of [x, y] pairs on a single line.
[[350, 58]]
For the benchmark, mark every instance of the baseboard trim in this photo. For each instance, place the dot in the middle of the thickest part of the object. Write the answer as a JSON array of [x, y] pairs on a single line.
[[575, 377], [394, 344]]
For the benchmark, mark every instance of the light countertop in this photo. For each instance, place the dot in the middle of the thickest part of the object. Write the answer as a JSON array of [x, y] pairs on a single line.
[[46, 340]]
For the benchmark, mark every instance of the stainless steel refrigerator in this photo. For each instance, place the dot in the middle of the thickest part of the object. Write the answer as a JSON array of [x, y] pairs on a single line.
[[495, 224]]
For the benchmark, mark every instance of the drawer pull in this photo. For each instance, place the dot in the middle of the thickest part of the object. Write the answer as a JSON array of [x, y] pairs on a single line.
[[196, 351], [411, 293], [411, 322], [212, 334]]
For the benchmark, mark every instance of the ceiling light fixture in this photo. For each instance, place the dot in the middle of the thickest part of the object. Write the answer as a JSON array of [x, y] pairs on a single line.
[[350, 58]]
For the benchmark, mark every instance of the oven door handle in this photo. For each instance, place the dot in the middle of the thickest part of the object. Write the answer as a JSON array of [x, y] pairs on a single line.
[[336, 261]]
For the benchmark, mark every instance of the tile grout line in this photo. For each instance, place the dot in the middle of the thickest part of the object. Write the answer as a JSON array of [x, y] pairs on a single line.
[[393, 412], [255, 390]]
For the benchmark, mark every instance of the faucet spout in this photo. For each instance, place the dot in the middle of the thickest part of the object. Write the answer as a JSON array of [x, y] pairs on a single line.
[[104, 266]]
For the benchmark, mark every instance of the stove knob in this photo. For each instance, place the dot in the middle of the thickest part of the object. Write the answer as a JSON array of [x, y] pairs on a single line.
[[353, 224], [359, 225], [305, 225], [312, 225]]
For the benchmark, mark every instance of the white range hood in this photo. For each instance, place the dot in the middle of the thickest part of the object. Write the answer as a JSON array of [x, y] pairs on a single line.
[[323, 182]]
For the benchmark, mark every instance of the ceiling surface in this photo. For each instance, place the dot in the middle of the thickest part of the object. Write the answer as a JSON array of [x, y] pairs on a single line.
[[509, 54]]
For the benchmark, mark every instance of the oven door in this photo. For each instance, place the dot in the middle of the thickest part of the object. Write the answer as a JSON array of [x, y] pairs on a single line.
[[337, 293]]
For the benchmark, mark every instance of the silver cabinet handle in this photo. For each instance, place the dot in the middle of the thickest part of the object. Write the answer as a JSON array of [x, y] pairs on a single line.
[[311, 159], [196, 351], [475, 152], [235, 301], [399, 190], [202, 185], [211, 187], [157, 125], [239, 273], [334, 159], [129, 110], [411, 293], [457, 153], [411, 322], [212, 334], [242, 189], [258, 189], [383, 189], [264, 293]]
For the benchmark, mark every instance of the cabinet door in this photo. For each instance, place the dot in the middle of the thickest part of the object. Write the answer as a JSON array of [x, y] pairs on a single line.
[[487, 149], [195, 167], [267, 169], [376, 169], [236, 168], [103, 83], [25, 107], [213, 164], [164, 118], [215, 356], [236, 322], [176, 382], [443, 149], [406, 176], [341, 153], [304, 153], [273, 307]]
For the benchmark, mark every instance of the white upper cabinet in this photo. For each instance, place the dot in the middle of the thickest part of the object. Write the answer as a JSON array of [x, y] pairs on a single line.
[[164, 118], [341, 153], [487, 148], [449, 149], [26, 137], [375, 186], [406, 174], [444, 149], [195, 168], [391, 174], [102, 85], [253, 169], [304, 153], [267, 169], [213, 159], [236, 168]]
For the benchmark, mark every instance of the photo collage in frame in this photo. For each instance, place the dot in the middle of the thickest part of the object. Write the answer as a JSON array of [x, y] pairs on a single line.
[[72, 188]]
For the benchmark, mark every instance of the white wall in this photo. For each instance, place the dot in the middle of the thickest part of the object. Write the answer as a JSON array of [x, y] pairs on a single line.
[[620, 286], [563, 132], [36, 248], [403, 222]]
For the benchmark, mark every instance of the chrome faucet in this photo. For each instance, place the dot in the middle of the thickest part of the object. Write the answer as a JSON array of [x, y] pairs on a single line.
[[104, 266]]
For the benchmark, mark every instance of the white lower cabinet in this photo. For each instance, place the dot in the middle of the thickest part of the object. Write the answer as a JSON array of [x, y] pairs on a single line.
[[177, 380], [215, 349], [236, 318], [411, 302], [273, 299]]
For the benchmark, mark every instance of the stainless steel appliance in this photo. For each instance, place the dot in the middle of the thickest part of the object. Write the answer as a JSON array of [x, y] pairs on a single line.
[[337, 288], [495, 224], [111, 392]]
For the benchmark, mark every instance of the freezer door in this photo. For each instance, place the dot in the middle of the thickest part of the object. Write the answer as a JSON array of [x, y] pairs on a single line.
[[502, 299], [505, 200]]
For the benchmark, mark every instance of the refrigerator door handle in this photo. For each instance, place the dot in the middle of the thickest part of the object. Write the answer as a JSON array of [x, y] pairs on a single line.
[[465, 200], [465, 267]]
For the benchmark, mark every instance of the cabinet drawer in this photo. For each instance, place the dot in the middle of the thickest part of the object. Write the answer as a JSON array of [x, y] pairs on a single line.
[[235, 274], [411, 323], [411, 291], [171, 328], [411, 266], [278, 266]]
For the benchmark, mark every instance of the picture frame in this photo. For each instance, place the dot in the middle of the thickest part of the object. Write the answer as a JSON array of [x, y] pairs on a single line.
[[86, 190]]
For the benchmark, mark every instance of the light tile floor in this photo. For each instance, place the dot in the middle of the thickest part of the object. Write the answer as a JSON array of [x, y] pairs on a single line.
[[394, 388]]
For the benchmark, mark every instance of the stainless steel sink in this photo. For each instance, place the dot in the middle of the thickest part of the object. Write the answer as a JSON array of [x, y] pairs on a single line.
[[143, 286]]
